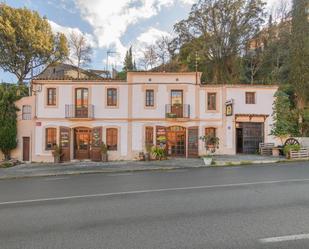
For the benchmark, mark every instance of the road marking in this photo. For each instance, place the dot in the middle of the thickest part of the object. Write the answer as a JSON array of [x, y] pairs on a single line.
[[151, 191], [120, 174], [285, 238], [55, 179]]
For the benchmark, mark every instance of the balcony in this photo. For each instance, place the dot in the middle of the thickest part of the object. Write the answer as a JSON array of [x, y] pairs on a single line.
[[177, 111], [79, 112]]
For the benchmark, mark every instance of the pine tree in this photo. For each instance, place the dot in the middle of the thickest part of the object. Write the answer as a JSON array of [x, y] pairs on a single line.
[[299, 55], [128, 61], [8, 119]]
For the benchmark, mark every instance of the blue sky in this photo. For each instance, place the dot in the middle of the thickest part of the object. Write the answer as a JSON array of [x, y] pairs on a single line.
[[110, 24]]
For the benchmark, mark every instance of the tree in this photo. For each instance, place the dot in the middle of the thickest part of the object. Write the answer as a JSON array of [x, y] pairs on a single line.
[[285, 121], [149, 58], [299, 55], [27, 43], [128, 61], [163, 50], [80, 51], [8, 124], [223, 28]]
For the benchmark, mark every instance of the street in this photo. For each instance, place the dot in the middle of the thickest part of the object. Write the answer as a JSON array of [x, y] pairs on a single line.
[[226, 207]]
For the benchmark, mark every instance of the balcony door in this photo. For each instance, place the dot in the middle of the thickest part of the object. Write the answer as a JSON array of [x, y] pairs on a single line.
[[177, 103], [81, 102]]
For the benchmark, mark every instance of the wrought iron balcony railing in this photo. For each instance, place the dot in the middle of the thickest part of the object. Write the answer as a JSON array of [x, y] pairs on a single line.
[[177, 111], [74, 111]]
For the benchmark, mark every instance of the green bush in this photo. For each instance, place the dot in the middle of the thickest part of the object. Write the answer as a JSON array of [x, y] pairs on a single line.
[[158, 152], [289, 147]]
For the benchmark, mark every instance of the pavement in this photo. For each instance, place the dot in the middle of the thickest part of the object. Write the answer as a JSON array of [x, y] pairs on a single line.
[[88, 167], [204, 208]]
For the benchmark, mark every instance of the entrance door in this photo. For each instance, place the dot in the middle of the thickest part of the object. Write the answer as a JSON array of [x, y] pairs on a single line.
[[176, 141], [96, 144], [26, 149], [251, 134], [177, 103], [193, 141], [239, 140], [65, 138], [82, 143]]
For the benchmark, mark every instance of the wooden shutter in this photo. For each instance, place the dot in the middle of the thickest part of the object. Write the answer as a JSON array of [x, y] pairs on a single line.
[[65, 143], [96, 143], [149, 136], [193, 139]]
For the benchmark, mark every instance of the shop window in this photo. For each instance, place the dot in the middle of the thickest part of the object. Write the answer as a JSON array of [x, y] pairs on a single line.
[[50, 138], [111, 138]]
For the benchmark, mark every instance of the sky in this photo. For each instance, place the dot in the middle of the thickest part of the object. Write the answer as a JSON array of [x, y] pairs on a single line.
[[110, 25]]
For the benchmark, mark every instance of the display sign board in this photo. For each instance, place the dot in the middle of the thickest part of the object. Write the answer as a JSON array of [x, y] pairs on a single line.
[[229, 108]]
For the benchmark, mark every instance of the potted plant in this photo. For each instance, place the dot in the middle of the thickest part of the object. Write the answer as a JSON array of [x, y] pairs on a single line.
[[148, 148], [57, 154], [158, 152], [290, 147], [104, 152], [211, 144]]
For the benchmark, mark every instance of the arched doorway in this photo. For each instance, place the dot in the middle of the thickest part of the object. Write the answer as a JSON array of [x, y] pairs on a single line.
[[82, 142], [176, 141]]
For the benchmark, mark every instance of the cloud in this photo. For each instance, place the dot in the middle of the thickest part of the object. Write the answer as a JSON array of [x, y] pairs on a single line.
[[110, 19], [68, 30]]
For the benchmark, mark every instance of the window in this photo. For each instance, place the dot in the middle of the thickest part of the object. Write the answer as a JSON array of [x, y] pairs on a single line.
[[26, 112], [51, 96], [81, 97], [211, 101], [50, 138], [111, 138], [149, 98], [250, 97], [149, 136], [111, 97], [210, 131], [176, 97]]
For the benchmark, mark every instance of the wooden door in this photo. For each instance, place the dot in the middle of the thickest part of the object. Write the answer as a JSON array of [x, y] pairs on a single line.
[[65, 144], [177, 103], [96, 143], [193, 141], [82, 143], [26, 149]]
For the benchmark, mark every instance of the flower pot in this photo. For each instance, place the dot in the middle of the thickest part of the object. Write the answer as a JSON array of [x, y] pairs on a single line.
[[147, 156], [276, 152], [207, 161], [104, 157]]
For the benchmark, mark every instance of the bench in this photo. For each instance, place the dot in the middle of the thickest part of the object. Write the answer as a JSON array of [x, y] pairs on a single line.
[[302, 153], [266, 149]]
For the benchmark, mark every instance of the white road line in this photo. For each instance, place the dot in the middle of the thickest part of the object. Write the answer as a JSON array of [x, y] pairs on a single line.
[[120, 174], [150, 191], [285, 238], [55, 179]]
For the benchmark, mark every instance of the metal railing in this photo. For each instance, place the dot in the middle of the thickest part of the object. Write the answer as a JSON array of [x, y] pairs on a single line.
[[177, 111], [73, 111]]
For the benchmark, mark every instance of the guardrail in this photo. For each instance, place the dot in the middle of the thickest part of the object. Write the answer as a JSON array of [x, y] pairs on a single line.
[[73, 111]]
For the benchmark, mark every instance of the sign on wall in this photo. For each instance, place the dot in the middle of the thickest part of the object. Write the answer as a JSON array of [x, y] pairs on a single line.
[[229, 108]]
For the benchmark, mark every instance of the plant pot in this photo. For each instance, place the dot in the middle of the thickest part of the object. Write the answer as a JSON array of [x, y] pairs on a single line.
[[104, 157], [276, 152], [56, 159], [207, 161], [147, 157]]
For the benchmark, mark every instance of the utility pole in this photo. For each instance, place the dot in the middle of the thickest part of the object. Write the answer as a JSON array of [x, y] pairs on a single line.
[[196, 66]]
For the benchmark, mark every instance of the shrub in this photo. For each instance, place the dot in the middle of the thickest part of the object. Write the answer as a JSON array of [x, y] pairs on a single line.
[[158, 152], [289, 147]]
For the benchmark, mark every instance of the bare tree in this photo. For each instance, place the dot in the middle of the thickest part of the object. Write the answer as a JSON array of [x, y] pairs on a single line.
[[80, 51], [163, 50], [149, 58]]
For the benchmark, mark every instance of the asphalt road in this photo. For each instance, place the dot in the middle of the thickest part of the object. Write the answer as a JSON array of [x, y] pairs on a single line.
[[233, 207]]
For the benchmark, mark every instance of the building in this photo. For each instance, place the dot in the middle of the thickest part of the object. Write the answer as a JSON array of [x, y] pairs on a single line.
[[148, 108]]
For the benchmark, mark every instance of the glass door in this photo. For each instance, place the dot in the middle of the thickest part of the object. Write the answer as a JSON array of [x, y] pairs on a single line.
[[177, 103], [81, 102]]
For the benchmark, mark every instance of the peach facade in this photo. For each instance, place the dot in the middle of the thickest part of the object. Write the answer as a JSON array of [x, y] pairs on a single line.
[[130, 114]]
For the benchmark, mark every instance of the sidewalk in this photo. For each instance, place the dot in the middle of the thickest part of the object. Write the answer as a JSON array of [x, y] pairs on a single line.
[[75, 168]]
